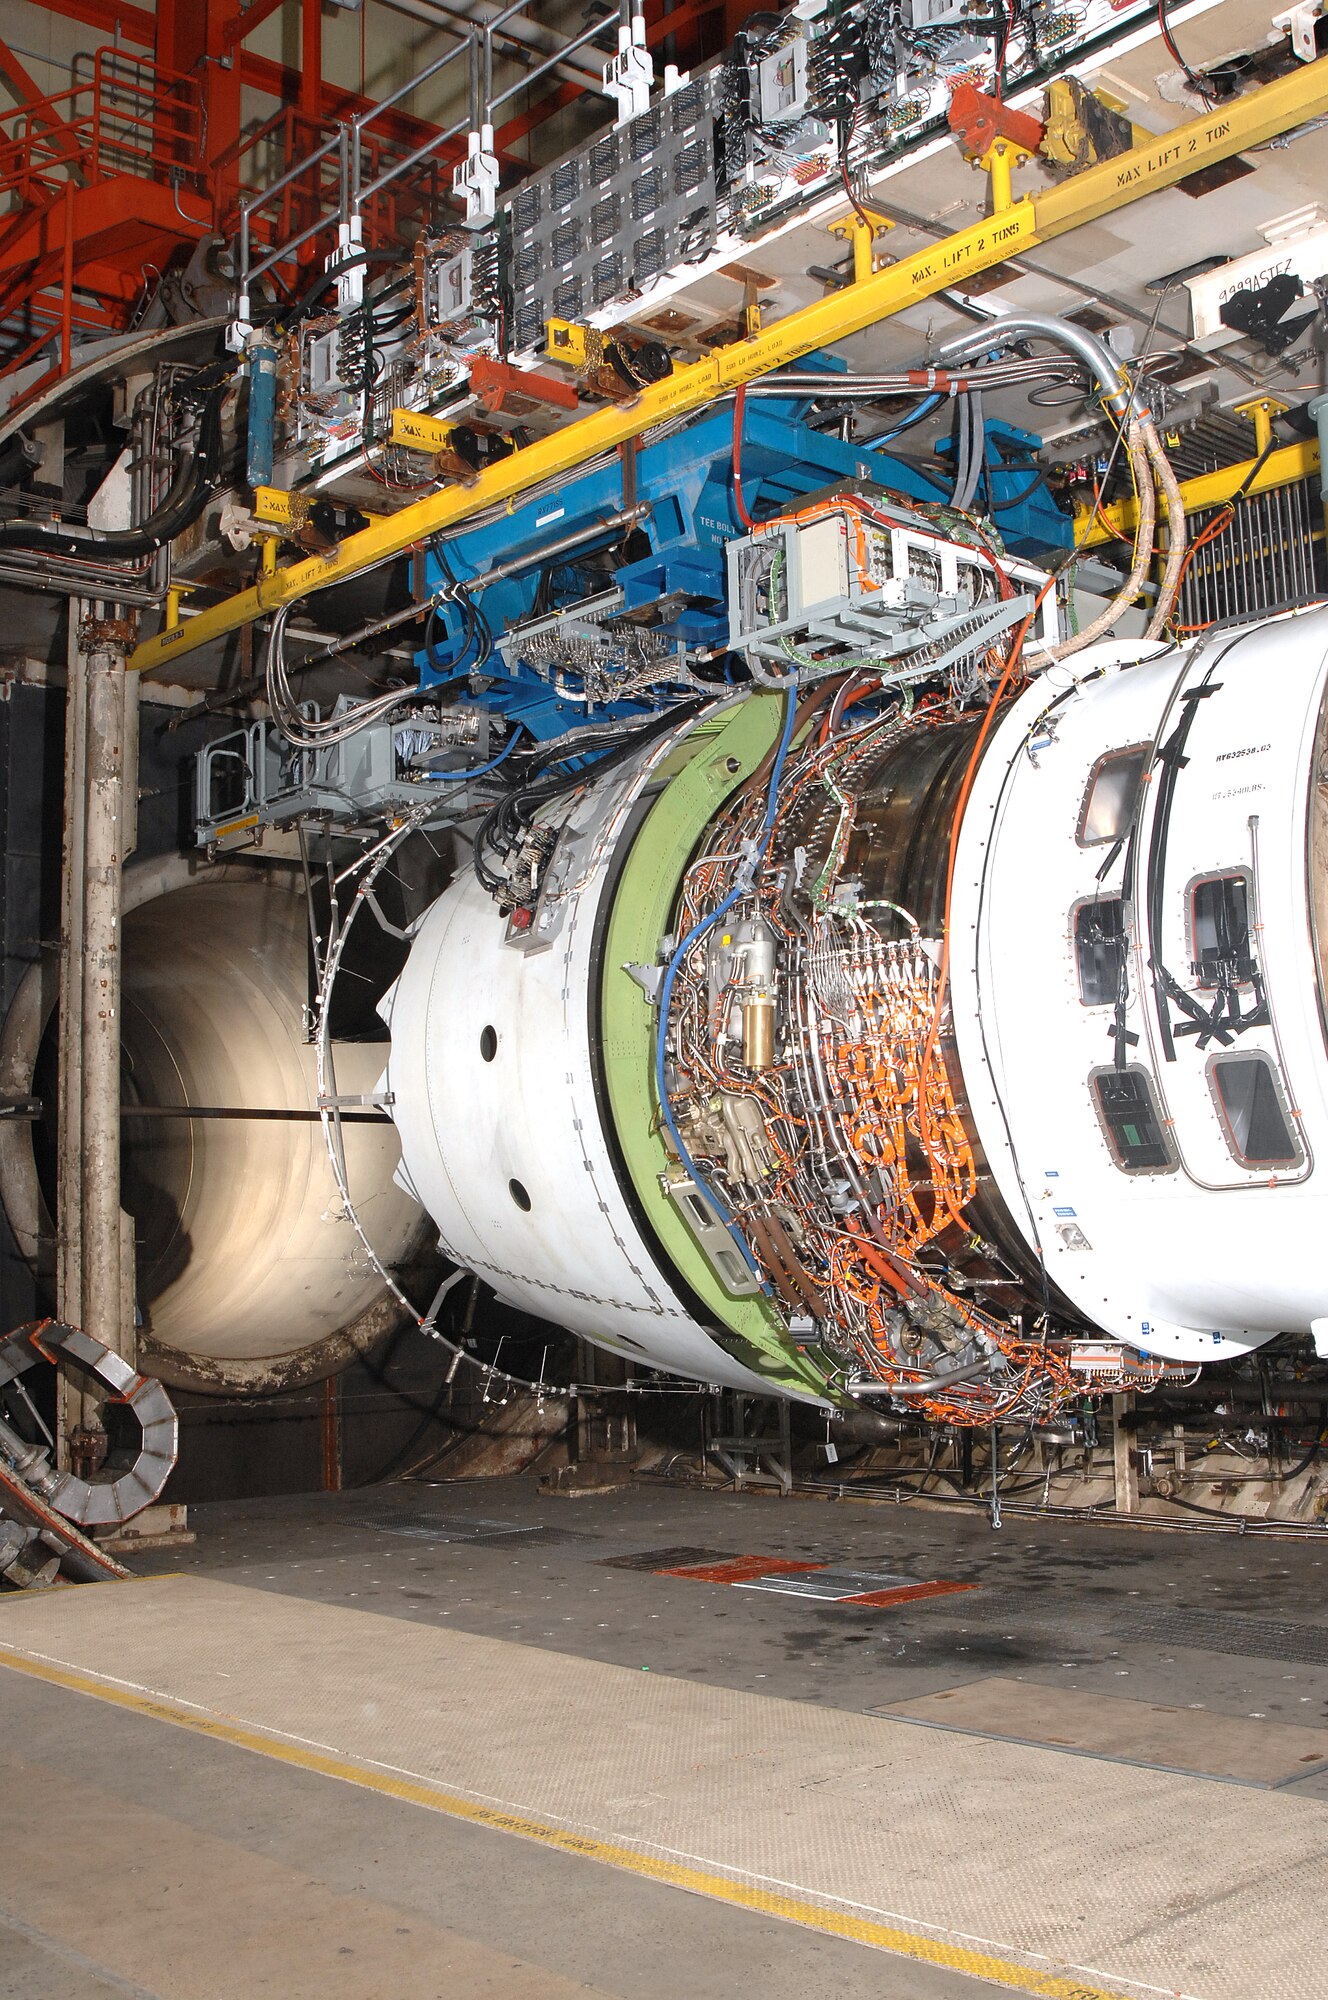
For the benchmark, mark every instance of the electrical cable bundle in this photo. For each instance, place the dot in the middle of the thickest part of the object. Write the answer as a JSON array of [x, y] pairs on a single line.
[[512, 820], [197, 478], [479, 632], [1150, 468], [970, 451], [841, 1159], [304, 732]]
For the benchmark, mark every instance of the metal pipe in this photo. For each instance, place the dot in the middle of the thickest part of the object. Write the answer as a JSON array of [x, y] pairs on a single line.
[[933, 1386], [307, 160], [335, 647], [455, 131], [996, 374], [520, 31], [283, 250], [511, 12], [1086, 346], [624, 518], [103, 852], [400, 167], [365, 118], [513, 91], [51, 581], [1158, 163], [556, 62]]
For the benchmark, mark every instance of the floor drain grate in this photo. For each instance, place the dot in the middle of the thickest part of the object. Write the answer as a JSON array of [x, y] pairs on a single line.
[[1245, 1638], [656, 1559], [421, 1524]]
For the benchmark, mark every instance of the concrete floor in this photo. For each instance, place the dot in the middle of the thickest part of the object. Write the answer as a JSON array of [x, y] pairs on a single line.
[[203, 1870], [1233, 1624]]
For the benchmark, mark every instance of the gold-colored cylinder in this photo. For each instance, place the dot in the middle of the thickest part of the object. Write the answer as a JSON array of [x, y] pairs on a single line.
[[758, 1033]]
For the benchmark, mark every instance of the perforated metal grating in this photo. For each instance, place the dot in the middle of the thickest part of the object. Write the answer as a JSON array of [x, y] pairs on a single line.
[[425, 1525], [1124, 1877], [1040, 1616], [1244, 1638]]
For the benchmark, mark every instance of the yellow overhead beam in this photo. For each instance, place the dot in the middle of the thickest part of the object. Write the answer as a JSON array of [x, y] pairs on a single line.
[[1263, 114], [1285, 467]]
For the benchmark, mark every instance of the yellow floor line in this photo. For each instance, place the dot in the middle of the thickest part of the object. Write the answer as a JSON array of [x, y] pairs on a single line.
[[768, 1902]]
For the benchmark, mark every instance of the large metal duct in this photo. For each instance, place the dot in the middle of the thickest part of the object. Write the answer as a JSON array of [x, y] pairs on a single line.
[[249, 1275]]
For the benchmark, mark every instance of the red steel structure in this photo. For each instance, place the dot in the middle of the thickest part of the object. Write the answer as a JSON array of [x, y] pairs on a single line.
[[106, 183]]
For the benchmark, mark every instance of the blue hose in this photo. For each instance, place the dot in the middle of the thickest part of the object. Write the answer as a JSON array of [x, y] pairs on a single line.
[[924, 409], [450, 777]]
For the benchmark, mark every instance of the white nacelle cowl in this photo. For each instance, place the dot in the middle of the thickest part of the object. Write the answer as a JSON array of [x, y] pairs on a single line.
[[1208, 1254]]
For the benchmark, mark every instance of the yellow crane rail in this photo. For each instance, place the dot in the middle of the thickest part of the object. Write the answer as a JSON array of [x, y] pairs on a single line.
[[1265, 113]]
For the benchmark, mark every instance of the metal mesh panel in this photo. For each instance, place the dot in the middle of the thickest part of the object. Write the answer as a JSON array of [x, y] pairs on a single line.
[[1263, 561], [644, 196]]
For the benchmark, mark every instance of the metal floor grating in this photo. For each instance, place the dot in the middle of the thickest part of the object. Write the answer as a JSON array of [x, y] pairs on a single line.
[[419, 1523], [1244, 1638], [661, 1559], [1103, 1875], [1232, 1633]]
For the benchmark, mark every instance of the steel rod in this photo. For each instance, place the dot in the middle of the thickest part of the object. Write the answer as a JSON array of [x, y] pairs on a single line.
[[552, 62], [281, 1114]]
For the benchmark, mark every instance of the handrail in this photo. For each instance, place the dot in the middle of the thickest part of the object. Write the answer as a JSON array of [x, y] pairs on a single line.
[[270, 235], [130, 114], [454, 131]]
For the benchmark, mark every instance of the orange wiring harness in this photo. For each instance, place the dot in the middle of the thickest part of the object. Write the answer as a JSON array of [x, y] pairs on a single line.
[[863, 1093]]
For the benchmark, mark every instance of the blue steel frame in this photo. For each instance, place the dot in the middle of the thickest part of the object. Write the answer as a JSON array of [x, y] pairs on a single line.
[[685, 480]]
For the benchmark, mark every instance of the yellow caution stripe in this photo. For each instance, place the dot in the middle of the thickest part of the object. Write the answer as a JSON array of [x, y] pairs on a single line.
[[676, 1874]]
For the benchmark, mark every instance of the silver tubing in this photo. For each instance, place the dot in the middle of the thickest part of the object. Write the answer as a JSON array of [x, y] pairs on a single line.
[[284, 249], [257, 201], [393, 173], [1046, 326], [363, 119], [552, 62]]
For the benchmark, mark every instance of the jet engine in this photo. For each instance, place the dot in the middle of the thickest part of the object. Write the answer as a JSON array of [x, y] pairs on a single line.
[[856, 1049]]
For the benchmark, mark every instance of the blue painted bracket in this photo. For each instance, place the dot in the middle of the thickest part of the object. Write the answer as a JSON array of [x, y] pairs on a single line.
[[686, 482]]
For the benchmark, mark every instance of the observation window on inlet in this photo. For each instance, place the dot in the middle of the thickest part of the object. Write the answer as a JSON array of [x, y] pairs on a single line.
[[1220, 930], [1112, 795], [1099, 936], [1254, 1116], [1131, 1121]]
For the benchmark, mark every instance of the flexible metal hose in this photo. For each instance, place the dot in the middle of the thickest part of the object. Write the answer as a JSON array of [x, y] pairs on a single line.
[[1112, 613], [1177, 531]]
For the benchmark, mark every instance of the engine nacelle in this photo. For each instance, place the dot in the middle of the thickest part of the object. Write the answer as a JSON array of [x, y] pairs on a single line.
[[898, 1057]]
